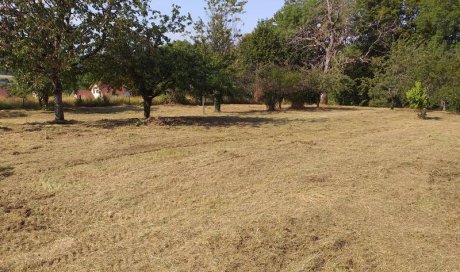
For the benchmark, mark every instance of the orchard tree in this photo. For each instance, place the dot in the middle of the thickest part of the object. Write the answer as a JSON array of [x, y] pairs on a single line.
[[219, 36], [54, 38], [197, 72], [136, 55]]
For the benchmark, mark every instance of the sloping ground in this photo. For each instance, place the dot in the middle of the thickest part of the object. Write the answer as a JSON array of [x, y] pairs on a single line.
[[341, 189]]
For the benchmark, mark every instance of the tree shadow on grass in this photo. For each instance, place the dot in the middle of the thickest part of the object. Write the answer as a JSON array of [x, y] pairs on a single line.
[[328, 108], [6, 172], [177, 121], [433, 118], [12, 114], [104, 110], [115, 123], [216, 121], [38, 126], [305, 109]]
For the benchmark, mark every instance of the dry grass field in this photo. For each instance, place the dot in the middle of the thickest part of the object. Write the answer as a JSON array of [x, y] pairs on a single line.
[[338, 189]]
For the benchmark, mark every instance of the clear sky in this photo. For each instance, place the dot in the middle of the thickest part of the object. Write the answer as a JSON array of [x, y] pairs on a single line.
[[255, 10]]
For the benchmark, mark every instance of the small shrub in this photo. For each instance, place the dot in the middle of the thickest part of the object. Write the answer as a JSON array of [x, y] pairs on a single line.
[[418, 99], [171, 98]]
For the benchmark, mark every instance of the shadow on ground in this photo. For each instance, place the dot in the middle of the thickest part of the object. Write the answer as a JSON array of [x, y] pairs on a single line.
[[38, 126], [115, 123], [328, 108], [6, 172], [200, 121], [12, 114], [216, 121], [433, 118], [104, 110], [306, 109]]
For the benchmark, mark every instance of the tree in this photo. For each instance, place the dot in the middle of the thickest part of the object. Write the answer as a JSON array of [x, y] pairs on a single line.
[[274, 83], [136, 57], [418, 99], [195, 72], [219, 35], [264, 45], [438, 20], [26, 84], [326, 30], [54, 38]]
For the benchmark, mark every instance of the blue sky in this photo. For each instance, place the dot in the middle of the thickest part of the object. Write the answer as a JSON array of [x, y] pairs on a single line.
[[255, 10]]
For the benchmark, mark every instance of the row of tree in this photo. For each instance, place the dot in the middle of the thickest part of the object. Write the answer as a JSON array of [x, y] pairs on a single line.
[[351, 52], [357, 52]]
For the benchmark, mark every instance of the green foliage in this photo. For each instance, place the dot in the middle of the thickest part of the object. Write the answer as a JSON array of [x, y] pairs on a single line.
[[221, 32], [136, 55], [340, 87], [198, 72], [274, 83], [217, 38], [436, 66], [264, 45], [295, 14], [418, 98], [54, 38], [438, 20], [26, 84]]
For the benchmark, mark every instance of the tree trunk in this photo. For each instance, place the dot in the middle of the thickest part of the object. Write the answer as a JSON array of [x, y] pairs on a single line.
[[443, 104], [43, 101], [217, 101], [58, 106], [271, 104], [203, 103], [46, 102], [422, 114], [280, 103], [323, 98], [147, 106], [40, 102]]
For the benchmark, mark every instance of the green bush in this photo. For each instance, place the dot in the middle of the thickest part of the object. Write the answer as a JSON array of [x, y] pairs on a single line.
[[378, 102], [418, 99], [171, 98]]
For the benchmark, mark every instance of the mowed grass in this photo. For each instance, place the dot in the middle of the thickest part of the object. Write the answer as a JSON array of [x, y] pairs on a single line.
[[338, 189]]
